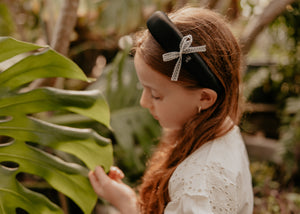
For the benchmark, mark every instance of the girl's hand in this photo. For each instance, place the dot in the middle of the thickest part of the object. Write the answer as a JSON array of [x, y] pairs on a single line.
[[111, 188]]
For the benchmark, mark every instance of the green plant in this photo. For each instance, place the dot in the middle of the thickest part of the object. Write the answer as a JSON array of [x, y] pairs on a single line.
[[32, 143], [278, 84], [290, 137], [269, 196], [6, 23], [134, 129], [128, 11]]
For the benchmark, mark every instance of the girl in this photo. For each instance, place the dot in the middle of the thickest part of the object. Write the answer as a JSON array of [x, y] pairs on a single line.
[[189, 67]]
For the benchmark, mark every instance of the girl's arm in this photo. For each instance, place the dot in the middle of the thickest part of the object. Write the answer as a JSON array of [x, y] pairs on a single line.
[[111, 188]]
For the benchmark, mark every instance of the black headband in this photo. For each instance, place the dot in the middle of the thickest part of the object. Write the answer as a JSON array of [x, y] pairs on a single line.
[[169, 37]]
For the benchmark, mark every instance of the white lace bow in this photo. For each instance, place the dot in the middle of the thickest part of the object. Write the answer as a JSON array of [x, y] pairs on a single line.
[[184, 48]]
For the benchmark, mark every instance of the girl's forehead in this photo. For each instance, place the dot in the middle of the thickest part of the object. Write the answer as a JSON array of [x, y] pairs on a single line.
[[151, 78], [145, 72]]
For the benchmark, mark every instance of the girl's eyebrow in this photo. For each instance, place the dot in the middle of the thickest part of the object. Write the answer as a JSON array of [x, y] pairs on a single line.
[[148, 86], [155, 90]]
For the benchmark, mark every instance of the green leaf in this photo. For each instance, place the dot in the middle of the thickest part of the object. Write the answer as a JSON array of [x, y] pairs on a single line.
[[11, 47], [11, 191], [88, 103], [67, 177], [7, 25], [83, 143], [39, 65], [21, 120], [86, 144]]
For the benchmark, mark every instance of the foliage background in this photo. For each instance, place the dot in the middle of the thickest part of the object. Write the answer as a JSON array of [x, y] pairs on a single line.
[[269, 33]]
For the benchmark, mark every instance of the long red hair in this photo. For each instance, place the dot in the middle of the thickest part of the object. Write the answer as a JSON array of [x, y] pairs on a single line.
[[223, 57]]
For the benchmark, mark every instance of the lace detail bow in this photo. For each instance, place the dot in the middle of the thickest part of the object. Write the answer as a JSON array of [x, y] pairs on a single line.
[[184, 48]]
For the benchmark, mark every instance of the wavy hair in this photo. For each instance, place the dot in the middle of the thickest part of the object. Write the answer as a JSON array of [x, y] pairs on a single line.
[[223, 56]]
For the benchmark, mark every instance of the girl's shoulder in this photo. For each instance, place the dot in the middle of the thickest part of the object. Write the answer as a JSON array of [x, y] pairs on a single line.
[[227, 151], [213, 162], [219, 169], [221, 162]]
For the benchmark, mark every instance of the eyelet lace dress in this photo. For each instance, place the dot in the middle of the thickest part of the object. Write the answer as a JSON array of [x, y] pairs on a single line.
[[214, 179]]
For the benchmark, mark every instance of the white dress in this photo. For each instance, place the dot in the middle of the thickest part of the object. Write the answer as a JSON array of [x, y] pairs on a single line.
[[214, 179]]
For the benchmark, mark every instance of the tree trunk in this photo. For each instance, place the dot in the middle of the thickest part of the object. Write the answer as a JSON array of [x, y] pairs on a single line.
[[257, 24], [64, 26], [61, 39]]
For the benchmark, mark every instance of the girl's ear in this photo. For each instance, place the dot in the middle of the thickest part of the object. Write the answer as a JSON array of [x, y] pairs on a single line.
[[208, 97]]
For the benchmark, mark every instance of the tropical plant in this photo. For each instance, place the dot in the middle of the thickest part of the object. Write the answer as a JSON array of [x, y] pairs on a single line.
[[6, 23], [290, 137], [29, 143], [134, 129], [278, 84]]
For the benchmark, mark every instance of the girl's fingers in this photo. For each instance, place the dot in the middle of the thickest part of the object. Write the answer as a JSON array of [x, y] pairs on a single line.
[[115, 173], [111, 188], [103, 183], [99, 180], [99, 172], [93, 179]]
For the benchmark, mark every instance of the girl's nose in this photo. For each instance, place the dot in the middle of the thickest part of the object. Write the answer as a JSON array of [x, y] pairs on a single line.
[[144, 100]]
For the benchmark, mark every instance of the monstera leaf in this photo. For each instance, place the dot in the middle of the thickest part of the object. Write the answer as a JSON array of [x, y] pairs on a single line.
[[31, 138]]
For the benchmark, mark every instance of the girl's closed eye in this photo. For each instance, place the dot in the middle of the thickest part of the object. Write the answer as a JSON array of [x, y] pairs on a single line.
[[156, 96]]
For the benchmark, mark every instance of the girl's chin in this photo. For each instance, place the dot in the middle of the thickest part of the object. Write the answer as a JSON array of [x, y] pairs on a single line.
[[167, 126]]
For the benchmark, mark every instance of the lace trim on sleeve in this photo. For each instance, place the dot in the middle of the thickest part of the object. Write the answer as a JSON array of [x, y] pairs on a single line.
[[211, 181]]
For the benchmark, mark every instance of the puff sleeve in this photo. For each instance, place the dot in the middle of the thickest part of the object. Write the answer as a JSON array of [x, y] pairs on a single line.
[[202, 189]]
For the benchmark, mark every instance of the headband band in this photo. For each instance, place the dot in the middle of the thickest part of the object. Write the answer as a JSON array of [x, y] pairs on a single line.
[[171, 40]]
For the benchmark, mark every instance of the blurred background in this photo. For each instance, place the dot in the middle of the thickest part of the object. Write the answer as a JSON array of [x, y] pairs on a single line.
[[97, 35]]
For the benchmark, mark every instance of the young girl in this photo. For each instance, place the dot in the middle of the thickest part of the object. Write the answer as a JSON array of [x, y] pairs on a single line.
[[189, 67]]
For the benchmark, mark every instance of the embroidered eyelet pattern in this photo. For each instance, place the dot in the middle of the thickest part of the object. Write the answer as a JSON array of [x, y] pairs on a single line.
[[210, 180]]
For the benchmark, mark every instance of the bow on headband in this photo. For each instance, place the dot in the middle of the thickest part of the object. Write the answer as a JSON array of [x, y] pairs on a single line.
[[170, 39], [184, 48]]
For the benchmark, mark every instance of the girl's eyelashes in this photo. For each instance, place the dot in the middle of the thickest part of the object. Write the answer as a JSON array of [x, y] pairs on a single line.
[[155, 97], [153, 93]]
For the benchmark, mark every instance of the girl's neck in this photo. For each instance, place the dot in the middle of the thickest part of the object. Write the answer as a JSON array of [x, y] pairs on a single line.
[[171, 136]]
